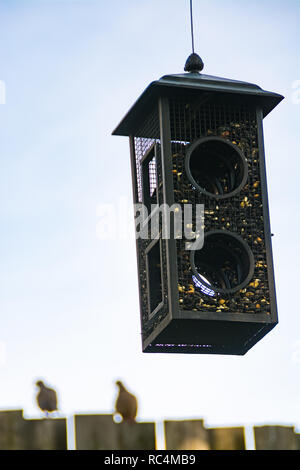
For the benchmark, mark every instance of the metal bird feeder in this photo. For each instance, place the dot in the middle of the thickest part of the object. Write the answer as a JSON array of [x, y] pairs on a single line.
[[198, 139]]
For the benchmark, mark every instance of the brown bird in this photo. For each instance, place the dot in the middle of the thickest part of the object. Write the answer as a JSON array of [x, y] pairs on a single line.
[[46, 398], [126, 404]]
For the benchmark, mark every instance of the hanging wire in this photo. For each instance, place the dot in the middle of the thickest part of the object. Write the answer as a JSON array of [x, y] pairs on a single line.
[[194, 63], [192, 26]]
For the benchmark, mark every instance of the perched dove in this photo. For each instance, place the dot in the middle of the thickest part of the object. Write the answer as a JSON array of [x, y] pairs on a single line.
[[46, 398], [126, 404]]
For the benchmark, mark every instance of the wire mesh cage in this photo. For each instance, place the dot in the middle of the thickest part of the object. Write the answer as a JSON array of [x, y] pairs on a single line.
[[226, 157]]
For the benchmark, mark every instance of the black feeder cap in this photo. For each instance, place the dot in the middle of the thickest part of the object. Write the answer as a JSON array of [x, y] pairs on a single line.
[[194, 63]]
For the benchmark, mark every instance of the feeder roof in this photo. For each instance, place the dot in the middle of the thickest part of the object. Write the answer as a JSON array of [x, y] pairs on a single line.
[[195, 82]]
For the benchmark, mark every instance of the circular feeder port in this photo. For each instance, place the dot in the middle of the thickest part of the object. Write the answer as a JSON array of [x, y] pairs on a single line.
[[225, 264], [216, 167]]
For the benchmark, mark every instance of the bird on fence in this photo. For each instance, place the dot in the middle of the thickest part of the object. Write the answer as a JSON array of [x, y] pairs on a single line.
[[126, 404], [46, 398]]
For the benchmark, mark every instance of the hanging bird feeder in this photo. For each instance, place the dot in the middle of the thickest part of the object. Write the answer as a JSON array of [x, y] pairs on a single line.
[[197, 139]]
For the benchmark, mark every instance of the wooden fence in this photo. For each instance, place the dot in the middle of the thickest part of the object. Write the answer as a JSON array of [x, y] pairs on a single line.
[[100, 432]]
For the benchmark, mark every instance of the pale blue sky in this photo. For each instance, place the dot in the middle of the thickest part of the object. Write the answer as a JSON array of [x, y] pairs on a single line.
[[68, 300]]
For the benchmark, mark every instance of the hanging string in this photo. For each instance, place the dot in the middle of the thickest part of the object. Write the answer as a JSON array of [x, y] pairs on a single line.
[[192, 26]]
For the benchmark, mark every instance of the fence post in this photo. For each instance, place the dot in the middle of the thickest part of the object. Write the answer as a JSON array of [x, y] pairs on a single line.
[[100, 432], [17, 433], [186, 435], [227, 438], [276, 438]]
